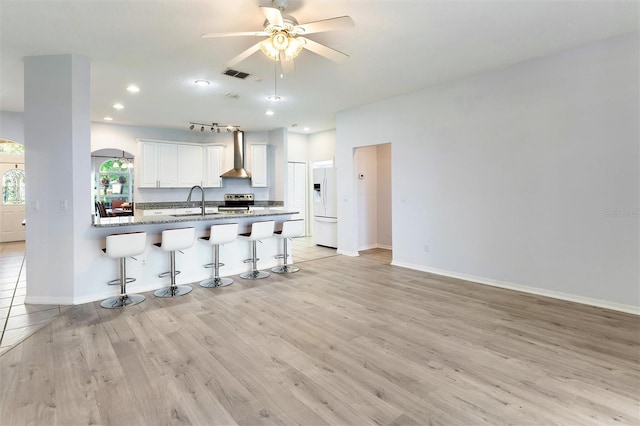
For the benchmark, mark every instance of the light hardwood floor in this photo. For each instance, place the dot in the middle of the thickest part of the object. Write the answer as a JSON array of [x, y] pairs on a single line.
[[345, 341]]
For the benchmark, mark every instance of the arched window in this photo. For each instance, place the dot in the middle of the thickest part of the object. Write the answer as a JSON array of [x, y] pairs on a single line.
[[11, 148], [114, 182], [13, 187]]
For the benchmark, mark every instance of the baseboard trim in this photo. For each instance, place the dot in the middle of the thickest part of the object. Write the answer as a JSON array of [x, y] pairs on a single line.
[[35, 300], [348, 253], [621, 307]]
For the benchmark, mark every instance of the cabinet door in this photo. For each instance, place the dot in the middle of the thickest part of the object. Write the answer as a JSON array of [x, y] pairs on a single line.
[[213, 166], [167, 165], [189, 165], [259, 165], [148, 177]]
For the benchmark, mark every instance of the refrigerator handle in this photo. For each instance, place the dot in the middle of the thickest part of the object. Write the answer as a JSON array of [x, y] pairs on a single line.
[[324, 198]]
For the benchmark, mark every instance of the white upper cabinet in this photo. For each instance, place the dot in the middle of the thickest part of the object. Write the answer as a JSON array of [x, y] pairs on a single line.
[[158, 166], [213, 167], [259, 165], [189, 165]]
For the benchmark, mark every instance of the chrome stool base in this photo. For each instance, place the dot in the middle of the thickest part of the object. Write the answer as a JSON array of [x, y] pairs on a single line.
[[285, 269], [216, 282], [179, 290], [122, 301], [254, 275]]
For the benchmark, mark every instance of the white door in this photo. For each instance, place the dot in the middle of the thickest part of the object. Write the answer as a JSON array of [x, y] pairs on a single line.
[[12, 204], [297, 190]]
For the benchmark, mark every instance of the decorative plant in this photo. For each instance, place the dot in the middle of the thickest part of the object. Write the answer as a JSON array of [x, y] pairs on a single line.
[[122, 179]]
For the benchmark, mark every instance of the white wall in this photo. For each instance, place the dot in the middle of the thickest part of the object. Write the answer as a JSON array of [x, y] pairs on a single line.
[[524, 177], [297, 147], [383, 190], [12, 126], [322, 146], [365, 160]]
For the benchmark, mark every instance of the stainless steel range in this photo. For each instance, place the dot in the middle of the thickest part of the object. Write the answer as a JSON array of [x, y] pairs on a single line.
[[237, 203]]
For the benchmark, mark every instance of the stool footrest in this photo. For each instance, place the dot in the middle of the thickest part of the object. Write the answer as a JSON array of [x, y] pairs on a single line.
[[211, 265], [167, 274], [117, 281], [250, 260]]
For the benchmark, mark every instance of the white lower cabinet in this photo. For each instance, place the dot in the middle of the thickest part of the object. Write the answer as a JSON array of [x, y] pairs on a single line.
[[158, 212]]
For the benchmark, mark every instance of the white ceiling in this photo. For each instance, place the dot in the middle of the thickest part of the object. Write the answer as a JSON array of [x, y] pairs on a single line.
[[396, 47]]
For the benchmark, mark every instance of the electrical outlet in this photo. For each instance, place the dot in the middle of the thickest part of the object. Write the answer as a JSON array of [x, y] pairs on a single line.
[[426, 248]]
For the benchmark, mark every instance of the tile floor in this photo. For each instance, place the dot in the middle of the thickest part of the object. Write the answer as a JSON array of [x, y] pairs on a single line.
[[18, 321]]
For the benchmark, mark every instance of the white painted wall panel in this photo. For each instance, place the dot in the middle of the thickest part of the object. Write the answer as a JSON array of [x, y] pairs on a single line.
[[511, 176]]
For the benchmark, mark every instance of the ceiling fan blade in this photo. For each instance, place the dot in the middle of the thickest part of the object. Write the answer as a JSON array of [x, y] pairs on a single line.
[[287, 66], [235, 34], [273, 15], [339, 23], [323, 50], [244, 55]]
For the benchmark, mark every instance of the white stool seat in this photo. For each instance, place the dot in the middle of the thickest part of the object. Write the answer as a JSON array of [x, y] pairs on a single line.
[[125, 245], [121, 246], [175, 240], [259, 231], [290, 228], [219, 234]]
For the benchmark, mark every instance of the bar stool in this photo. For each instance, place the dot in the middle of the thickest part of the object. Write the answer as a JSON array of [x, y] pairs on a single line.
[[259, 231], [290, 229], [121, 246], [219, 234], [175, 240]]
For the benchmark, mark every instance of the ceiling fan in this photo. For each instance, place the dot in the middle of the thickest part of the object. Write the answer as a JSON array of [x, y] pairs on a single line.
[[285, 37]]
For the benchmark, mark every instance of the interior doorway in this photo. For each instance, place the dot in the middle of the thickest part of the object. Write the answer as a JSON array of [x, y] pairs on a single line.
[[373, 188], [12, 185]]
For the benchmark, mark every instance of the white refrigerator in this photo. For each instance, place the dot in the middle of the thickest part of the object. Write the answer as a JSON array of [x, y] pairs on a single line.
[[325, 209]]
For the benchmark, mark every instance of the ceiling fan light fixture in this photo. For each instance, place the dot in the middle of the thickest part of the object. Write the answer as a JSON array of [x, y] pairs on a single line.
[[293, 49], [269, 50]]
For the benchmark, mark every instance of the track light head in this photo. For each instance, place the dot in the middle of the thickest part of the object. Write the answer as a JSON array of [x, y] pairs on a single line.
[[191, 127], [202, 129]]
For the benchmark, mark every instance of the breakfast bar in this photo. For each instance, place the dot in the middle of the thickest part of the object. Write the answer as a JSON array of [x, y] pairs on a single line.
[[191, 261]]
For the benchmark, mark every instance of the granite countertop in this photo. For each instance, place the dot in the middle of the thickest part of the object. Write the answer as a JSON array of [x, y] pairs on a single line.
[[102, 222], [153, 205]]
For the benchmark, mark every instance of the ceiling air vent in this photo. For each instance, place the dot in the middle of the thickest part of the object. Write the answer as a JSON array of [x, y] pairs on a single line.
[[235, 73]]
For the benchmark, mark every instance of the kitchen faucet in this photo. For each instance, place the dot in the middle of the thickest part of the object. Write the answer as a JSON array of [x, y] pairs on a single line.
[[201, 190]]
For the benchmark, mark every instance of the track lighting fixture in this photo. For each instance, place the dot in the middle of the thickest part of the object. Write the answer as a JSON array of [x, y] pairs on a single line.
[[215, 127]]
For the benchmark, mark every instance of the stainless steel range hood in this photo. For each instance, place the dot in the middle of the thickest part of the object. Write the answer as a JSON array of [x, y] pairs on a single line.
[[238, 171]]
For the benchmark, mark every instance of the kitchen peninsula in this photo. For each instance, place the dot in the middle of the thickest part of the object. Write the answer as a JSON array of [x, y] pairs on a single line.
[[154, 261]]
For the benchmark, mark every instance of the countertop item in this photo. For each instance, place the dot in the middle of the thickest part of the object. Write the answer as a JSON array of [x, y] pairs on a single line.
[[102, 222]]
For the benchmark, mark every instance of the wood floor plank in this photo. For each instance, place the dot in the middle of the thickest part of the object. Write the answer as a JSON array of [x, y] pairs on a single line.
[[345, 341]]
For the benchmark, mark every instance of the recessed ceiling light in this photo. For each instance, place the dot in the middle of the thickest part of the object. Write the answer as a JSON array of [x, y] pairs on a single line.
[[133, 88], [108, 119], [269, 112], [118, 106], [306, 129], [202, 83]]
